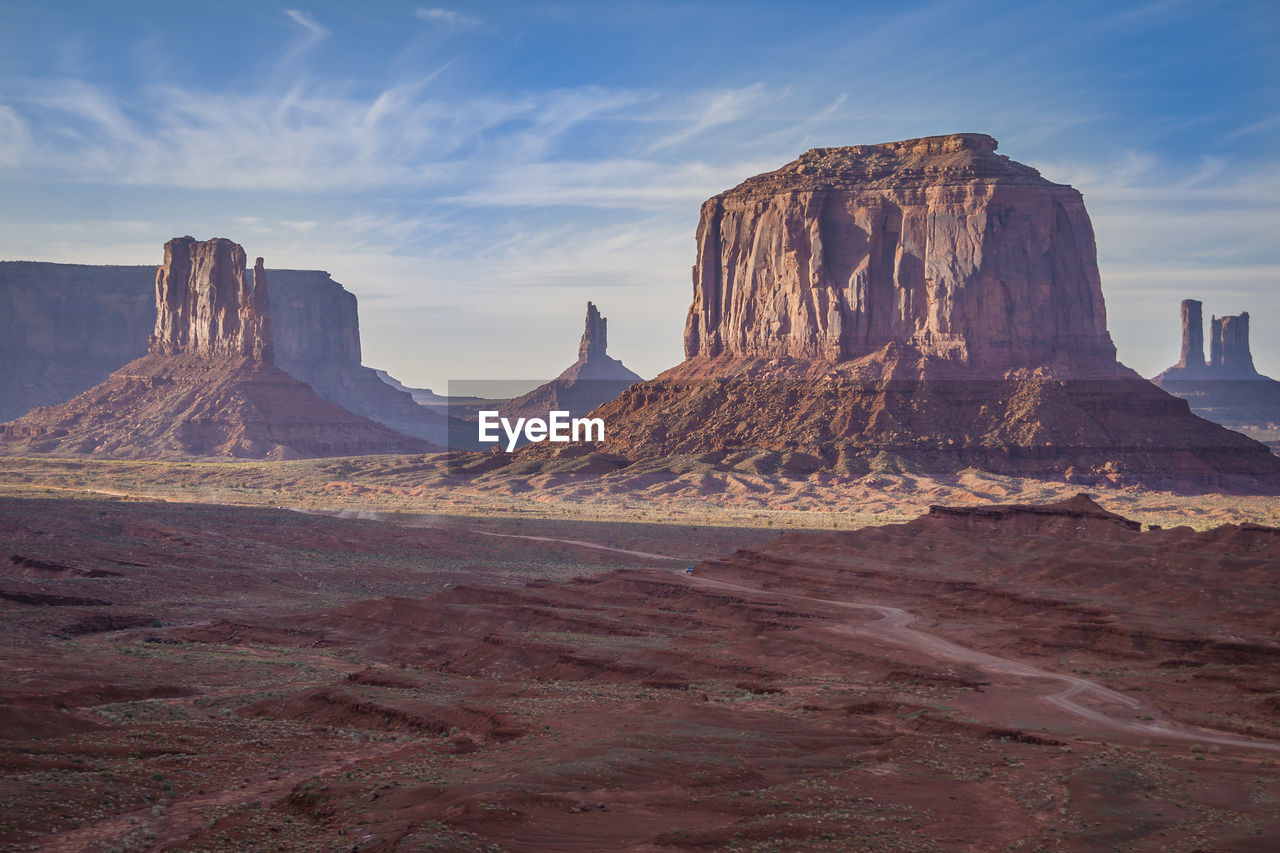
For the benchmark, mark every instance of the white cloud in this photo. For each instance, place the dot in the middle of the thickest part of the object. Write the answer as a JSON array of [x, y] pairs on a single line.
[[308, 23], [312, 33], [310, 138], [448, 17], [715, 108], [630, 183]]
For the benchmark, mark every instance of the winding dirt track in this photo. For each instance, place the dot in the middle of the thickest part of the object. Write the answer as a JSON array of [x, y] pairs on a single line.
[[1108, 708], [594, 545], [894, 626]]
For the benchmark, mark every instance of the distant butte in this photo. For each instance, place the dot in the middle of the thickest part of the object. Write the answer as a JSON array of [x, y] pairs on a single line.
[[1227, 389], [1229, 354], [208, 386]]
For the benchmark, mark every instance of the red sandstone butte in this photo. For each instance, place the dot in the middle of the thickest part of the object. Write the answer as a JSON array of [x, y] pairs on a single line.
[[923, 305], [208, 386]]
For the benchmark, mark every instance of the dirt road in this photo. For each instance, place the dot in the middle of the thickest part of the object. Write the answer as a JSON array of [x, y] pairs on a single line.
[[1107, 707]]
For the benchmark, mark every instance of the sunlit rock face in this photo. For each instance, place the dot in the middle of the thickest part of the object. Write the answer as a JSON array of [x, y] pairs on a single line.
[[936, 243], [208, 304]]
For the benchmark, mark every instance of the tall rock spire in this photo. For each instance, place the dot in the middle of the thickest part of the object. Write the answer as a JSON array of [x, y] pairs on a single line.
[[1192, 335], [595, 337], [1229, 353]]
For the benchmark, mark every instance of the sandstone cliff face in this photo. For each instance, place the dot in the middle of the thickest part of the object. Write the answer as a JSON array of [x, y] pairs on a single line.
[[65, 327], [1229, 353], [938, 243], [1192, 355], [316, 322], [208, 305]]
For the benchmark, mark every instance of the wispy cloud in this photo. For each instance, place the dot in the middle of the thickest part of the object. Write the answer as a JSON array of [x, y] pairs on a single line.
[[308, 23], [715, 109], [641, 184], [309, 138], [1153, 14], [312, 32], [447, 17]]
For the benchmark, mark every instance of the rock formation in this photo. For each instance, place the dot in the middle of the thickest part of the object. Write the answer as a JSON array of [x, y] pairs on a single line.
[[595, 338], [65, 327], [208, 385], [922, 305], [322, 348], [1192, 358], [1229, 353], [937, 243], [208, 305], [1228, 390], [594, 379]]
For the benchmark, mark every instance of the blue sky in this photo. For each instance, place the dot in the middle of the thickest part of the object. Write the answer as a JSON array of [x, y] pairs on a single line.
[[475, 172]]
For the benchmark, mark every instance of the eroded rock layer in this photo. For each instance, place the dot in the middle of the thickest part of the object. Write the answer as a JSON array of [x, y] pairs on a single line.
[[208, 304]]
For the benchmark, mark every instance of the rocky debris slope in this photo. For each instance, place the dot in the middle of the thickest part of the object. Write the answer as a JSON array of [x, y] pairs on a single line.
[[1227, 389], [208, 385], [928, 305], [595, 378]]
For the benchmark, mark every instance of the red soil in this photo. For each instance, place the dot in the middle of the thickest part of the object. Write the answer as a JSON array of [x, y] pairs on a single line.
[[1049, 678]]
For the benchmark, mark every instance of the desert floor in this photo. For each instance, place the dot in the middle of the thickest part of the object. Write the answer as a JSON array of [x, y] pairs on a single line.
[[354, 655]]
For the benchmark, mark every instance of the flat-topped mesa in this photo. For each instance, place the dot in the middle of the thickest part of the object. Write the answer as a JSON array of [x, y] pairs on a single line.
[[937, 243], [208, 305], [595, 337]]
